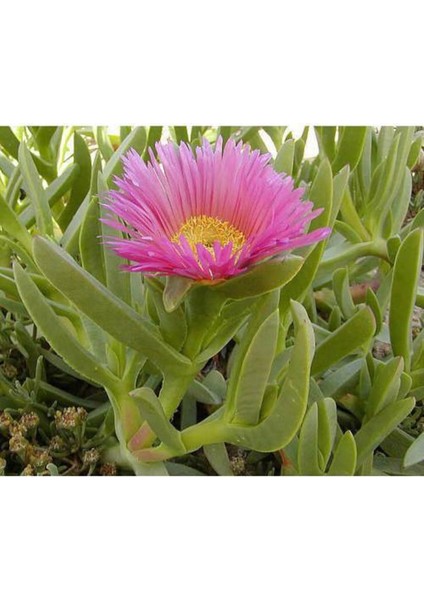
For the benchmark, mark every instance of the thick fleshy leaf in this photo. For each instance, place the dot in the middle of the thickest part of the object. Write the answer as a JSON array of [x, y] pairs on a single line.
[[252, 364], [9, 141], [154, 135], [372, 301], [326, 137], [217, 456], [71, 237], [341, 380], [136, 140], [56, 333], [284, 417], [307, 453], [80, 188], [53, 193], [117, 279], [321, 194], [175, 291], [283, 413], [201, 393], [181, 133], [151, 409], [91, 249], [415, 452], [345, 340], [221, 335], [341, 290], [283, 162], [10, 223], [35, 191], [344, 459], [327, 425], [103, 142], [349, 147], [404, 288], [378, 427], [102, 307], [400, 205], [173, 326], [261, 279], [385, 386]]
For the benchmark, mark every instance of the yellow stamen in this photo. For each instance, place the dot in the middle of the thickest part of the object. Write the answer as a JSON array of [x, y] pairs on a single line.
[[207, 230]]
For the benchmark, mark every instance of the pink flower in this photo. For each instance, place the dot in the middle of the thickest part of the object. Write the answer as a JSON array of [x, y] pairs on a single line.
[[208, 215]]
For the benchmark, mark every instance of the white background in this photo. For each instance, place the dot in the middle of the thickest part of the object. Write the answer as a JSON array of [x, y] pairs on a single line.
[[181, 62]]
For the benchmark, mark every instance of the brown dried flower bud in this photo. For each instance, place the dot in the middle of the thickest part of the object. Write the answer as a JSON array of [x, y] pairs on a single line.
[[91, 457], [238, 465], [30, 421], [108, 469], [5, 422], [3, 465], [18, 444], [39, 458], [28, 471], [57, 444], [17, 428], [9, 370], [70, 418]]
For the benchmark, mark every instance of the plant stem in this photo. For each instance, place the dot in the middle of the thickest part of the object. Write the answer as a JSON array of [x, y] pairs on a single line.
[[375, 248], [171, 394]]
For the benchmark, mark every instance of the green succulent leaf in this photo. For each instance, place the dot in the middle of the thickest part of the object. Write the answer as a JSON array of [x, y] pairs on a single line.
[[151, 409], [53, 193], [285, 415], [345, 340], [344, 459], [349, 147], [252, 365], [370, 436], [283, 162], [327, 426], [217, 456], [402, 299], [415, 452], [263, 278], [101, 306], [91, 251], [56, 333], [175, 291], [385, 387], [342, 292], [81, 186], [10, 223], [136, 140], [308, 452], [35, 191], [117, 279]]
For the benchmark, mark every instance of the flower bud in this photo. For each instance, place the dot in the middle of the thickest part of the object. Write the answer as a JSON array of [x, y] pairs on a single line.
[[70, 418], [30, 421], [57, 445], [39, 458], [108, 469], [17, 428], [9, 371], [19, 445], [90, 457], [5, 423], [28, 471]]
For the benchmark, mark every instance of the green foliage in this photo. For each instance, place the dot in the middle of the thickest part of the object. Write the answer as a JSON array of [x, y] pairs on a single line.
[[311, 365]]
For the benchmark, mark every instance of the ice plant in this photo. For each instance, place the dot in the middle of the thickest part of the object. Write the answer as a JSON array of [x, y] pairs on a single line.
[[207, 215]]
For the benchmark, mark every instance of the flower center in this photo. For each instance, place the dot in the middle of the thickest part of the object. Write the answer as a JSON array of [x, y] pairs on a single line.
[[207, 230]]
